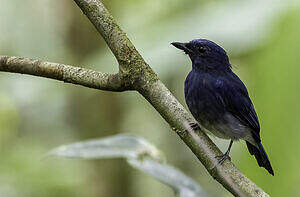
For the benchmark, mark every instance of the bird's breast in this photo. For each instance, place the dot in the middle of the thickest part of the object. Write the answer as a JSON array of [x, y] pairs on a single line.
[[202, 102], [201, 95]]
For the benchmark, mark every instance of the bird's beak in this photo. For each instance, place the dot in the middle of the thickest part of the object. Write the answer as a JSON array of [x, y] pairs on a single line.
[[182, 46]]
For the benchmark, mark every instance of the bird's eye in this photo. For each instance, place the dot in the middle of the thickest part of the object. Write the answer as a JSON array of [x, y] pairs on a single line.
[[202, 49]]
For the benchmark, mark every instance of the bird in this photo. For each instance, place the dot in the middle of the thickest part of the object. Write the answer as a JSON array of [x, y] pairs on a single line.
[[219, 100]]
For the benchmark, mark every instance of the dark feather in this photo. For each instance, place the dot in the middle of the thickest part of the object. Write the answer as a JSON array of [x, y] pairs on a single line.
[[261, 156], [233, 94]]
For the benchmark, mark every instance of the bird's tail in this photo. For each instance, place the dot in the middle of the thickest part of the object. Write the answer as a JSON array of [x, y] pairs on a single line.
[[261, 156]]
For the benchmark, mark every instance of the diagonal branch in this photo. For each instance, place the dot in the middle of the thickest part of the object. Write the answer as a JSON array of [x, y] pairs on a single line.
[[65, 73], [132, 66], [106, 25]]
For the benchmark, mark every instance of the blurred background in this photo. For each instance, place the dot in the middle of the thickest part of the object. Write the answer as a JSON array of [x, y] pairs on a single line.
[[37, 115]]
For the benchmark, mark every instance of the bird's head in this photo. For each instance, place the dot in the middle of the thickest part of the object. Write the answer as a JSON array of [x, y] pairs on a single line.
[[205, 54]]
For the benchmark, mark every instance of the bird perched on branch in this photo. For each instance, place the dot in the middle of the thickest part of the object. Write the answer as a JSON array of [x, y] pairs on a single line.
[[219, 100]]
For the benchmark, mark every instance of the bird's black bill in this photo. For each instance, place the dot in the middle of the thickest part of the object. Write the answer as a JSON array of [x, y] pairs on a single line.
[[182, 46]]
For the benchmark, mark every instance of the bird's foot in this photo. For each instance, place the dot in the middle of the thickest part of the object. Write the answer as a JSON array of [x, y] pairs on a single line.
[[223, 157], [194, 125]]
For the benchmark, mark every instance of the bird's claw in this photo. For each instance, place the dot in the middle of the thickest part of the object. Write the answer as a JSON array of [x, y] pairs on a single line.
[[222, 158], [194, 125]]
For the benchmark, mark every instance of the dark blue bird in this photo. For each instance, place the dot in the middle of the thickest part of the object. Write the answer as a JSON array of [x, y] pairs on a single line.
[[219, 100]]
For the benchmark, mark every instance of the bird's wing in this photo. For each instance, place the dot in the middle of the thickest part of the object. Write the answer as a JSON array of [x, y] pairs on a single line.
[[233, 95]]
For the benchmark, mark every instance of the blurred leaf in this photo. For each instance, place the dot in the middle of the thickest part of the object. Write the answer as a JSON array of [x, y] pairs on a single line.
[[182, 184], [117, 146], [139, 153]]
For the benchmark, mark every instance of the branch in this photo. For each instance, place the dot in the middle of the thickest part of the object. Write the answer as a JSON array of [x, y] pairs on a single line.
[[132, 67], [61, 72]]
